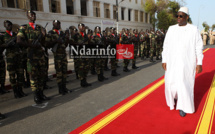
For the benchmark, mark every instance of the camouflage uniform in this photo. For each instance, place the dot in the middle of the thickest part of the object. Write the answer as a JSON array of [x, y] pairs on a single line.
[[26, 77], [152, 38], [158, 45], [2, 64], [135, 41], [60, 57], [14, 63], [36, 57], [143, 45], [125, 40]]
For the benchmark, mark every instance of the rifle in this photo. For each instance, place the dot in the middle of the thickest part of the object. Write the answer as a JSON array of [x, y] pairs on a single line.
[[54, 48], [11, 42], [35, 42]]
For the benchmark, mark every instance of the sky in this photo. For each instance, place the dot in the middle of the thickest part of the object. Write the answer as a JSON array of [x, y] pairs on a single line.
[[201, 11]]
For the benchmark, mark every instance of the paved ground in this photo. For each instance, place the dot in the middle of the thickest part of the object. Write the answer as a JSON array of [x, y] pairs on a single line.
[[62, 114]]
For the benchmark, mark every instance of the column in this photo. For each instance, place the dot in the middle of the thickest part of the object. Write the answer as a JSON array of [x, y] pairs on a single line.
[[139, 12], [63, 7], [119, 13], [77, 7], [111, 11], [102, 9], [132, 15], [46, 6], [0, 3], [90, 8], [126, 14]]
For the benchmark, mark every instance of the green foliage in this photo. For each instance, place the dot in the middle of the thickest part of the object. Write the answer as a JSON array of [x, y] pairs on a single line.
[[173, 7], [150, 7], [206, 26], [213, 27]]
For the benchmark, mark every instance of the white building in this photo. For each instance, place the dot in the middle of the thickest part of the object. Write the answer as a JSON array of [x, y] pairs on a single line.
[[71, 12]]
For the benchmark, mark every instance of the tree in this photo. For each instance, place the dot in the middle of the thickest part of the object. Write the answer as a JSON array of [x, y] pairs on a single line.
[[213, 27], [206, 26]]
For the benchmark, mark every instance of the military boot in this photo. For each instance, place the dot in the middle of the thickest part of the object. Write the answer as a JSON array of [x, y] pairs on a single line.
[[100, 77], [37, 98], [42, 96], [125, 69], [151, 59], [134, 66], [60, 89], [45, 86], [16, 92], [66, 90], [76, 73], [2, 89], [2, 116], [157, 58], [84, 83], [21, 91], [106, 68], [93, 71], [114, 73]]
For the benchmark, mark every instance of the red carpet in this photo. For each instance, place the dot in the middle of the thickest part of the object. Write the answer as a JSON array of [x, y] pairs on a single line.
[[146, 112]]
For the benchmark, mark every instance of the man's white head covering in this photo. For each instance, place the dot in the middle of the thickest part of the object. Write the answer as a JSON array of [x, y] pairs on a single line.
[[184, 10]]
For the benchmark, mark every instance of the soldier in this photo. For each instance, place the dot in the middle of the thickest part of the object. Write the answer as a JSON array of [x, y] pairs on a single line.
[[158, 45], [84, 66], [104, 36], [58, 41], [73, 42], [32, 36], [147, 43], [125, 39], [152, 38], [135, 40], [113, 40], [99, 62], [14, 60], [162, 40], [2, 66], [143, 44]]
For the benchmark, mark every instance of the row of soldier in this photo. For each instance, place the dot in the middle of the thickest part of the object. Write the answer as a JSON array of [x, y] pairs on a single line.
[[27, 52]]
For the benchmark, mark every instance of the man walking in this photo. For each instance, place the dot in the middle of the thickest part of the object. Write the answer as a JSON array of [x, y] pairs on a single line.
[[181, 58]]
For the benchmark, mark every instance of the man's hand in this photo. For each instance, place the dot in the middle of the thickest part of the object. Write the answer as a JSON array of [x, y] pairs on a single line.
[[198, 69], [164, 66]]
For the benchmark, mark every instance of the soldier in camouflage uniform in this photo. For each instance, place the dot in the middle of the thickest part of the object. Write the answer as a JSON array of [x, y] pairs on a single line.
[[58, 41], [143, 44], [162, 40], [158, 45], [32, 36], [125, 39], [14, 60], [147, 43], [152, 37], [73, 43], [2, 66], [104, 36], [99, 62], [135, 40], [113, 40], [83, 63]]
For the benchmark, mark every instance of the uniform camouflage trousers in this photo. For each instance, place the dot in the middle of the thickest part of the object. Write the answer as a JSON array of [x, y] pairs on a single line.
[[47, 67], [2, 70], [139, 49], [15, 69], [76, 64], [83, 67], [60, 61], [92, 63], [158, 49], [135, 53], [144, 49], [99, 64], [24, 66], [152, 47], [36, 69]]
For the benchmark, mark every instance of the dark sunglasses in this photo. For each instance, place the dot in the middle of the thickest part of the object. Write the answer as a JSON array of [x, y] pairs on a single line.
[[181, 16]]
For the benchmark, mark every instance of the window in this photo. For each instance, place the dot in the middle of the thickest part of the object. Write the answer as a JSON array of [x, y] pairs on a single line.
[[54, 6], [114, 12], [136, 1], [22, 4], [106, 11], [146, 18], [129, 0], [96, 9], [69, 7], [122, 13], [84, 7], [136, 15], [141, 2], [36, 5], [141, 16], [129, 14]]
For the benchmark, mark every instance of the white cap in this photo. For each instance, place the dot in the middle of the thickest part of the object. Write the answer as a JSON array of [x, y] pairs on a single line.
[[184, 10]]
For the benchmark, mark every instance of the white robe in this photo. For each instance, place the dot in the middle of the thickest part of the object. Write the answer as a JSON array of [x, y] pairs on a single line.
[[182, 51]]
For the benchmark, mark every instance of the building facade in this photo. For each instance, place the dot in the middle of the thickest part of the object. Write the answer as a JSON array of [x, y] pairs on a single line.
[[92, 13]]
